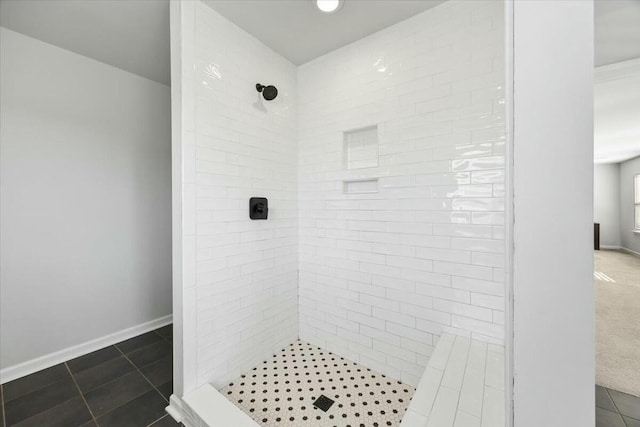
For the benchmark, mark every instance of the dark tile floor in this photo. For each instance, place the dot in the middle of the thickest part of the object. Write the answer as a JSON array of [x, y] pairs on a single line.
[[616, 409], [123, 385]]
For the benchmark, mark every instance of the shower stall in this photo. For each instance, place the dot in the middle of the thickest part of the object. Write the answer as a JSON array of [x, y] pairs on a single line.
[[378, 275]]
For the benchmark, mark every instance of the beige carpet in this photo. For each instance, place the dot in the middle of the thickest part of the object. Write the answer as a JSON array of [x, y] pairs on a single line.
[[618, 321]]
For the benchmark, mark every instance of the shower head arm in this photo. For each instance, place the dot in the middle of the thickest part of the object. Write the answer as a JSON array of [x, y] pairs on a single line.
[[268, 92]]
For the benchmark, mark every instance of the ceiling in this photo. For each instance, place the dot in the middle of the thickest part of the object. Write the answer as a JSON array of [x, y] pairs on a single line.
[[617, 81], [277, 22], [617, 31], [617, 112], [132, 35]]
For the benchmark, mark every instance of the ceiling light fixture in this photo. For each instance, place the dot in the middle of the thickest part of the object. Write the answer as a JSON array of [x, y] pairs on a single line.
[[329, 6]]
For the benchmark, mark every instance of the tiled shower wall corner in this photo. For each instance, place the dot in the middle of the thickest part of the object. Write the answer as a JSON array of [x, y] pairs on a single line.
[[246, 271], [383, 274], [388, 256]]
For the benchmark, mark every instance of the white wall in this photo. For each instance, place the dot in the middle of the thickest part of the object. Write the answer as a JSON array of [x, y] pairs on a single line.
[[606, 202], [629, 239], [553, 211], [383, 274], [243, 292], [86, 199]]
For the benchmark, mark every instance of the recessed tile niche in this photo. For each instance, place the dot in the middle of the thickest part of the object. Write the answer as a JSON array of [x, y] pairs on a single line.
[[361, 148], [361, 186]]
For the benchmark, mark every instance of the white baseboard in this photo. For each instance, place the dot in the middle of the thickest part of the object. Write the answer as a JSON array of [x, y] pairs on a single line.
[[630, 251], [174, 409], [610, 247], [29, 367]]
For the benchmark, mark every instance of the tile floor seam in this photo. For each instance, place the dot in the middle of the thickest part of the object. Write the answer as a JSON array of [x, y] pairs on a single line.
[[433, 401], [484, 381], [146, 379], [139, 348], [606, 389], [615, 406], [466, 366], [631, 418], [127, 401], [97, 366], [117, 379], [34, 389], [4, 417], [623, 420], [120, 406], [448, 356], [66, 362], [93, 417], [623, 414], [164, 337], [49, 409], [155, 421]]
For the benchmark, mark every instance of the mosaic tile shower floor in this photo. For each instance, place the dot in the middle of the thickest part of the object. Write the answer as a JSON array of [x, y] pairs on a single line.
[[281, 392]]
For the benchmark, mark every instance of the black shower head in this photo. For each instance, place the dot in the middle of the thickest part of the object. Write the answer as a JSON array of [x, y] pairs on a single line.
[[268, 92]]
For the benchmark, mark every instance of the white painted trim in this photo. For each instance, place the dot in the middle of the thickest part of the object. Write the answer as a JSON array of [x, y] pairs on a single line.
[[509, 211], [175, 24], [619, 70], [175, 408], [212, 409], [630, 251], [29, 367], [610, 247]]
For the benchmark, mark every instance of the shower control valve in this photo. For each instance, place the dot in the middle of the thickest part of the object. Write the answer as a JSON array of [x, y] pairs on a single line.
[[258, 208]]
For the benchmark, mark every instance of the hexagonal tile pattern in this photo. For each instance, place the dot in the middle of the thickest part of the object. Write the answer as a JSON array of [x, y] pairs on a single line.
[[281, 391]]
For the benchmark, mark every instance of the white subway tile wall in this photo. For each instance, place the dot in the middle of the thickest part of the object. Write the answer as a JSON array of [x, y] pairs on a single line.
[[246, 274], [372, 259], [384, 273]]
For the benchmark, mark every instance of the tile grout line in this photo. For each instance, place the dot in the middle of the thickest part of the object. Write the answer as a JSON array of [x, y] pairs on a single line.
[[484, 381], [155, 421], [93, 417], [96, 367], [55, 406], [133, 398], [135, 370], [606, 389], [466, 366], [43, 411], [163, 337], [143, 375], [4, 417]]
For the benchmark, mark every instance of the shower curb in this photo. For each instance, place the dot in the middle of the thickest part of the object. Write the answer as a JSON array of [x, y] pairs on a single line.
[[206, 407]]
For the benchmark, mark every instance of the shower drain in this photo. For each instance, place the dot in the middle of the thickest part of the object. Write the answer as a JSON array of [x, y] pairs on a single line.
[[323, 402]]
